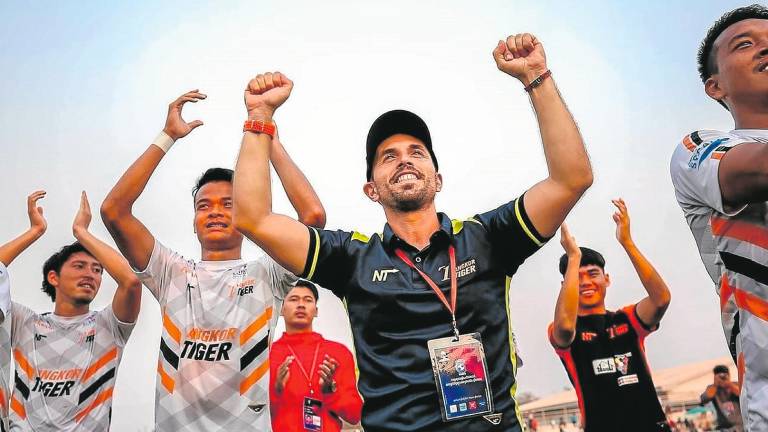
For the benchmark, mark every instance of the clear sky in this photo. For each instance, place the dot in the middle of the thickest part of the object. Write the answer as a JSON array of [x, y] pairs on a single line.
[[86, 85]]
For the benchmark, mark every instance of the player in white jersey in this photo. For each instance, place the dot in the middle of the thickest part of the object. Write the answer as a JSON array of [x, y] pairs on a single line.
[[67, 360], [721, 183], [218, 313]]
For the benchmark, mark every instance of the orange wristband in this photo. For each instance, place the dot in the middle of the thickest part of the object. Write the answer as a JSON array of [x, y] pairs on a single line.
[[259, 126]]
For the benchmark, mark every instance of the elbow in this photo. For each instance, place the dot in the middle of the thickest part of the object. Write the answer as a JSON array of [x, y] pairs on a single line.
[[315, 217], [582, 181], [664, 300], [244, 221], [111, 211]]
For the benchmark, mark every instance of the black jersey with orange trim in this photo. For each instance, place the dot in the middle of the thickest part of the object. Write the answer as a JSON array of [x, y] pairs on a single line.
[[607, 366], [393, 312]]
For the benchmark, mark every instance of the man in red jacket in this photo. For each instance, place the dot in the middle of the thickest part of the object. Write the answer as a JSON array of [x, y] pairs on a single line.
[[312, 379]]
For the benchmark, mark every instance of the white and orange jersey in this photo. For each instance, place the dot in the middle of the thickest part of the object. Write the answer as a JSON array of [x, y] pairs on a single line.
[[218, 320], [65, 369], [733, 243], [5, 345]]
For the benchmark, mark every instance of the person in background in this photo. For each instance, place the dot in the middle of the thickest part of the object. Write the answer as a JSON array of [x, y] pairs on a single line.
[[724, 395]]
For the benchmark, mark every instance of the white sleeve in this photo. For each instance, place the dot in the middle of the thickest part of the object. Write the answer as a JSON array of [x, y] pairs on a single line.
[[20, 315], [694, 170], [163, 265], [5, 292], [120, 330]]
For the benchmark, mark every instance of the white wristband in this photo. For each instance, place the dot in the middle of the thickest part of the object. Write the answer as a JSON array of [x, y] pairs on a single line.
[[164, 141]]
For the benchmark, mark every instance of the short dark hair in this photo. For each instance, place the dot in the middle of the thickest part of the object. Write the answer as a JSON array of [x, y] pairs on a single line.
[[721, 369], [212, 175], [588, 257], [55, 262], [705, 57], [303, 283]]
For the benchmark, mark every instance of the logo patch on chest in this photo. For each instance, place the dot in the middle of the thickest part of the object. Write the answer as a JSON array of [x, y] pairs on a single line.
[[604, 366]]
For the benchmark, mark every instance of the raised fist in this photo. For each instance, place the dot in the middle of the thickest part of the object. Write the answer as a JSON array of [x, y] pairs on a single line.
[[265, 93], [521, 56], [175, 126]]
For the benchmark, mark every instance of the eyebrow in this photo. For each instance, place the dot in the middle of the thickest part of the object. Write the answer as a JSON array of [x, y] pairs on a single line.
[[739, 36]]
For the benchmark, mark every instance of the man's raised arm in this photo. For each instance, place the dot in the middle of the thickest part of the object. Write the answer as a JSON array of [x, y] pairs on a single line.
[[133, 238], [570, 174], [281, 237], [127, 300], [567, 306]]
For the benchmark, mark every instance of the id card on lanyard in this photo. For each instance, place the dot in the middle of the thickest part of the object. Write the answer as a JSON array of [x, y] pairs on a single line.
[[311, 416], [458, 362]]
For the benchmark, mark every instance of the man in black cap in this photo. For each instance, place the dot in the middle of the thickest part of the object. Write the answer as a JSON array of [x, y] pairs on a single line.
[[428, 298], [724, 395]]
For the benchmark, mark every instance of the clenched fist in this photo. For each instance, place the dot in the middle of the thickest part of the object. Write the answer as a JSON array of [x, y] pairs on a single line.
[[521, 56], [265, 93]]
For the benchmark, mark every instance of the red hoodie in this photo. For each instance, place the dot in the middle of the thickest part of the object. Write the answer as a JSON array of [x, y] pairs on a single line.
[[287, 407]]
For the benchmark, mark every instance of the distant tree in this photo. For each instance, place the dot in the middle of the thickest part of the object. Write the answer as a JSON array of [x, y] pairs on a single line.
[[526, 397]]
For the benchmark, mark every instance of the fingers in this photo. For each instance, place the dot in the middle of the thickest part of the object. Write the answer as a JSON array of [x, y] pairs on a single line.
[[498, 52], [34, 197], [262, 83], [521, 44], [194, 124], [84, 204], [190, 96], [564, 231]]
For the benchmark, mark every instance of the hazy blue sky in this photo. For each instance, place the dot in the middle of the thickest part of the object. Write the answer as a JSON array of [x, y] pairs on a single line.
[[86, 85]]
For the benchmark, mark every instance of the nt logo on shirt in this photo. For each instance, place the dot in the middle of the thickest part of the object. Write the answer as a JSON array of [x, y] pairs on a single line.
[[55, 383], [208, 344]]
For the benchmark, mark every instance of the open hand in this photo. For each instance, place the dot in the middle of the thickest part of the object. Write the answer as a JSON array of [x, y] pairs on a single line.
[[283, 373], [621, 217], [83, 216], [37, 222], [265, 93], [175, 126], [569, 242], [521, 56], [327, 371]]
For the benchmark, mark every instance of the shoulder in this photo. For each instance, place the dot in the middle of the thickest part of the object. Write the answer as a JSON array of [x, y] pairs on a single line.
[[336, 347]]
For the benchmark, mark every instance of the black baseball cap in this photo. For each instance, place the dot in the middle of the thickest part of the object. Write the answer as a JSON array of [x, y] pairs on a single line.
[[392, 123]]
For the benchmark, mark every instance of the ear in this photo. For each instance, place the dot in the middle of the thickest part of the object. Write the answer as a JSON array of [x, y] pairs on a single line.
[[439, 182], [607, 280], [53, 278], [194, 228], [369, 189], [714, 90], [317, 312]]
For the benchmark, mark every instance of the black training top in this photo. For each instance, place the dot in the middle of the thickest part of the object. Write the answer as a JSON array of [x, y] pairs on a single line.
[[607, 366], [393, 312]]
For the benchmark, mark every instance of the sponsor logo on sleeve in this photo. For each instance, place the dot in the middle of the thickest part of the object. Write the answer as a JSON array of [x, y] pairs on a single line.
[[703, 151]]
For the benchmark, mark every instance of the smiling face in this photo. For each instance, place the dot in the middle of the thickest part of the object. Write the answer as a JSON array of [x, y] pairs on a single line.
[[79, 279], [403, 175], [740, 55], [213, 217], [593, 282]]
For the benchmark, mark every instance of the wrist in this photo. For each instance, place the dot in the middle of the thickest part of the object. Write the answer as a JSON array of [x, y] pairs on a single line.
[[164, 140], [36, 232], [264, 115], [529, 76]]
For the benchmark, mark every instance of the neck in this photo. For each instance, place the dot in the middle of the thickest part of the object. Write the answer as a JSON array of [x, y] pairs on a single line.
[[750, 117], [289, 329], [69, 309], [592, 310], [233, 253], [414, 227]]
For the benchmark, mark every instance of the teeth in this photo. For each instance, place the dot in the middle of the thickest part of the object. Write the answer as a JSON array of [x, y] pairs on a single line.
[[406, 177]]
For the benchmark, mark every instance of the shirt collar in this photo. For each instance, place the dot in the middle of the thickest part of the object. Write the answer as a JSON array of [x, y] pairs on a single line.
[[443, 236]]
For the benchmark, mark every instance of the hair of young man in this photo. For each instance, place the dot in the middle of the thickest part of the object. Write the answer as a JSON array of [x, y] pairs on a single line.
[[212, 175], [721, 369], [706, 58], [301, 283], [55, 262], [588, 257]]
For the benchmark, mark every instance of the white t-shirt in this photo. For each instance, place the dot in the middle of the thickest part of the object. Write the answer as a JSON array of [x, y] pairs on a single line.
[[733, 244], [218, 321]]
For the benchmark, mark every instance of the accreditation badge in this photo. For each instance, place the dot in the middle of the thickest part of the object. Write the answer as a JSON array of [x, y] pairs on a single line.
[[312, 419], [461, 375]]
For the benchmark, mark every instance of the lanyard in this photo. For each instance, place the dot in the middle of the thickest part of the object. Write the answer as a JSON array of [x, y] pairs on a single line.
[[312, 368], [452, 306]]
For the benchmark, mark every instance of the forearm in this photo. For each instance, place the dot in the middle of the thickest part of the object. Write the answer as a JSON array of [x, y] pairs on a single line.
[[657, 289], [567, 307], [252, 183], [12, 249], [110, 259], [124, 194], [300, 192], [708, 394], [567, 159]]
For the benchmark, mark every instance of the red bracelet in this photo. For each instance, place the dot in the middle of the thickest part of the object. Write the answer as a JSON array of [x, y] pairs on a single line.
[[537, 82], [259, 126]]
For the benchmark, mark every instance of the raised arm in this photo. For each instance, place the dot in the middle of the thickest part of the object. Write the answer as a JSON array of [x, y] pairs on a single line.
[[570, 174], [133, 238], [652, 308], [567, 307], [37, 227], [285, 239], [127, 300], [300, 192]]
